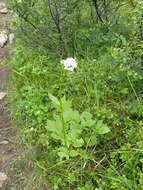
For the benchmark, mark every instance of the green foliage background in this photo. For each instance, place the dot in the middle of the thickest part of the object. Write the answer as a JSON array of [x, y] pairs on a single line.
[[107, 86]]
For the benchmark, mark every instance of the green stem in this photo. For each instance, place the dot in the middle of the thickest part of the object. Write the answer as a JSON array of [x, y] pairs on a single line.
[[64, 126], [133, 88], [62, 116]]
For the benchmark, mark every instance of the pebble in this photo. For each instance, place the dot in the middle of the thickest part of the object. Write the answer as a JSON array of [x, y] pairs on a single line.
[[4, 10], [11, 38], [3, 39], [3, 178], [3, 142], [2, 95], [2, 4]]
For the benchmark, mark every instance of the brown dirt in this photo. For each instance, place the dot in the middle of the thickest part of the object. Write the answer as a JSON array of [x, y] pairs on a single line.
[[7, 151], [4, 18]]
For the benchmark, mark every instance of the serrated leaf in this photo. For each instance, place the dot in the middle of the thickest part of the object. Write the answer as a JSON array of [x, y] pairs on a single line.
[[101, 128], [70, 115], [71, 177], [86, 119], [75, 131], [63, 153], [78, 143], [93, 140], [73, 153]]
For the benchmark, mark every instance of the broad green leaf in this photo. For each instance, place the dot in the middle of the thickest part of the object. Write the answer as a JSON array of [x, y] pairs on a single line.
[[73, 153], [66, 104], [71, 177], [54, 125], [93, 140], [75, 131], [63, 153], [51, 126], [70, 115], [101, 128], [56, 128], [54, 100], [86, 119], [57, 136], [124, 91], [78, 143], [76, 116]]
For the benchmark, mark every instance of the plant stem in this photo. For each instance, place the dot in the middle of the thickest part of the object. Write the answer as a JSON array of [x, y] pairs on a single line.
[[63, 125]]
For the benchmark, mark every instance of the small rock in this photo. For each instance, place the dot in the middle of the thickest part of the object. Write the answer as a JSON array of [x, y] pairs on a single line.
[[2, 95], [2, 5], [3, 178], [3, 142], [3, 39], [5, 31], [4, 10], [11, 38]]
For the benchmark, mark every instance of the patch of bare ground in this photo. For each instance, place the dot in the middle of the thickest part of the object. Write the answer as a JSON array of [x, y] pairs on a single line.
[[8, 138]]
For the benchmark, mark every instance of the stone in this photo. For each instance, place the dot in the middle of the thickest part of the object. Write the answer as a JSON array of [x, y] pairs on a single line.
[[2, 95], [4, 10], [3, 39], [11, 38], [3, 178], [5, 31], [2, 5], [3, 142]]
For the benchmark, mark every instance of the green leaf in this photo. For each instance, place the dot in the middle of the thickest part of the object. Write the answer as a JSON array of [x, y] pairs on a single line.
[[78, 143], [51, 126], [54, 100], [67, 115], [86, 119], [71, 177], [93, 140], [63, 153], [66, 104], [75, 131], [55, 127], [73, 153], [101, 128], [70, 115], [124, 91]]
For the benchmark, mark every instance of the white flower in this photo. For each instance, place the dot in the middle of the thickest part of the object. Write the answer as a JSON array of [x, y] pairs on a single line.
[[69, 64]]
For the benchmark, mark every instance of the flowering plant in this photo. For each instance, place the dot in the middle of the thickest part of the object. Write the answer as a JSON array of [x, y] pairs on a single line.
[[69, 64]]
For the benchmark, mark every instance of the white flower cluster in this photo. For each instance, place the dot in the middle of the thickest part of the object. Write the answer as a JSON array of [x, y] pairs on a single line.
[[69, 64]]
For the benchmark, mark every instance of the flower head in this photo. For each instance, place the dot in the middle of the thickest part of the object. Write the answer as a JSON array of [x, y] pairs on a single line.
[[69, 64]]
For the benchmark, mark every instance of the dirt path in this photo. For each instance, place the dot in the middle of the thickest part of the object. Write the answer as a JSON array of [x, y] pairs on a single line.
[[7, 136]]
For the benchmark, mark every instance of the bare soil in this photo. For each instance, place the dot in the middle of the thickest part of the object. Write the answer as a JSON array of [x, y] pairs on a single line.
[[8, 150]]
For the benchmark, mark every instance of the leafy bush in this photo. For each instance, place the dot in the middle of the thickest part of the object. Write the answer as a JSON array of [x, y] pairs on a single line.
[[68, 28]]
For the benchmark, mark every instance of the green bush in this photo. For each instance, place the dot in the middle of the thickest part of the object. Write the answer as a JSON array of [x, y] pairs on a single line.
[[68, 28]]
